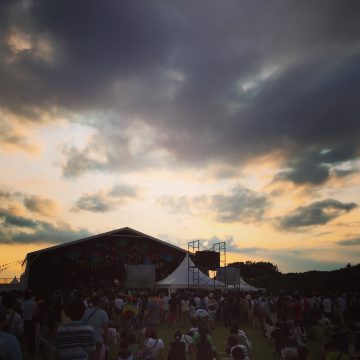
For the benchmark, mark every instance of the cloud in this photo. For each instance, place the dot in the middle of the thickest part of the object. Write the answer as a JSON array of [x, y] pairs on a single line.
[[13, 134], [95, 203], [317, 166], [177, 204], [229, 88], [16, 229], [11, 220], [78, 162], [316, 213], [240, 205], [40, 205], [105, 201], [4, 194], [125, 191], [293, 262], [18, 202], [49, 233], [349, 242], [231, 245]]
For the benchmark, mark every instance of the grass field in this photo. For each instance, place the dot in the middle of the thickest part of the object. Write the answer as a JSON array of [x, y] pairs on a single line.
[[263, 349]]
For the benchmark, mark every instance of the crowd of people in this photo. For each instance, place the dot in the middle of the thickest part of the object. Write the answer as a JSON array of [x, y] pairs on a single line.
[[119, 324]]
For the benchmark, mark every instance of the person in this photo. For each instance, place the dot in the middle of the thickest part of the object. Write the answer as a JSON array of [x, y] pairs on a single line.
[[133, 345], [341, 308], [75, 339], [188, 340], [118, 303], [173, 309], [239, 352], [268, 328], [28, 310], [185, 310], [49, 317], [164, 307], [241, 337], [177, 348], [99, 320], [124, 353], [212, 306], [14, 323], [227, 310], [153, 343], [327, 306], [204, 347], [152, 312], [332, 353], [250, 309], [9, 344]]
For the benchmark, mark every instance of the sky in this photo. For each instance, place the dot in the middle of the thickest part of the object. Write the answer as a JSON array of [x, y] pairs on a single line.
[[208, 120]]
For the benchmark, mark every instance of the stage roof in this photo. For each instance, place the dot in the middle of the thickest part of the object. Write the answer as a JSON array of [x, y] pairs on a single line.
[[125, 231]]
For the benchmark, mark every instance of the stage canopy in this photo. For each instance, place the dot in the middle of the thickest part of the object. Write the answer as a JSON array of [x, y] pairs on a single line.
[[183, 277]]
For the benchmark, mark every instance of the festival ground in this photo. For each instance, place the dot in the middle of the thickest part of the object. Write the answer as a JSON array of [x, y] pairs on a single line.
[[263, 349]]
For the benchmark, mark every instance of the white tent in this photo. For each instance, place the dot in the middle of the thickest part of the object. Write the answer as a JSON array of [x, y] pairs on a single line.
[[233, 279], [187, 275]]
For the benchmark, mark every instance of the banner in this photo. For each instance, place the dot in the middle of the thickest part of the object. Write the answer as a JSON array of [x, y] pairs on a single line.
[[139, 276]]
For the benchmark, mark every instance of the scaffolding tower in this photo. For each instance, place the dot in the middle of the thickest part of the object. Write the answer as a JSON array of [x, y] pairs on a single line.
[[193, 271], [220, 247]]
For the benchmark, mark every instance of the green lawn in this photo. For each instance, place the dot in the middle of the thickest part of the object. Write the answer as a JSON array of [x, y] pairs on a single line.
[[263, 349]]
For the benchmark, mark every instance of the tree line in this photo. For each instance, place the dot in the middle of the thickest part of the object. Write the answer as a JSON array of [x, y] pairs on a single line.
[[267, 275]]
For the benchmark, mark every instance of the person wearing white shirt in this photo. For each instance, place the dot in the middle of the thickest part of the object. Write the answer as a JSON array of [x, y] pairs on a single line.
[[119, 304], [153, 343], [326, 303]]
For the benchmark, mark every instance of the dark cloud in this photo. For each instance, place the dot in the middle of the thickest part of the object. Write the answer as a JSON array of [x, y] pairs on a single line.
[[98, 45], [11, 220], [349, 242], [214, 82], [49, 233], [343, 173], [40, 205], [36, 231], [316, 213], [78, 162], [94, 203], [240, 205], [16, 229], [109, 200], [316, 167]]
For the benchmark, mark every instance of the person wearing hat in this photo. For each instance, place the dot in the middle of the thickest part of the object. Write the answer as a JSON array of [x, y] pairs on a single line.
[[9, 344]]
